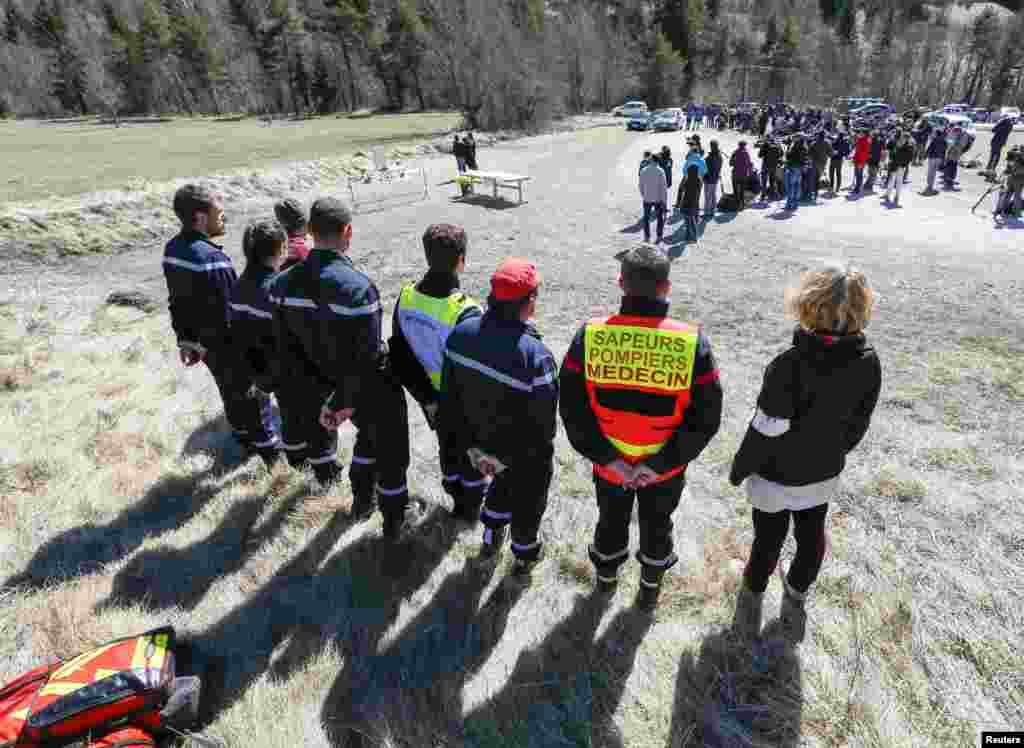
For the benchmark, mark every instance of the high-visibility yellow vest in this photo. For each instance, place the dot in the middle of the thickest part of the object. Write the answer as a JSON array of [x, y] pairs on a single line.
[[426, 322]]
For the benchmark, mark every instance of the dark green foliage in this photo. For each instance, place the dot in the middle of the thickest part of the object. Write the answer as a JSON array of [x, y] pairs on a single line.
[[847, 28], [14, 24]]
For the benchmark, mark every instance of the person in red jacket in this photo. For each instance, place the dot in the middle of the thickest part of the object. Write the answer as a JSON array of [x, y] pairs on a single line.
[[861, 154], [640, 400]]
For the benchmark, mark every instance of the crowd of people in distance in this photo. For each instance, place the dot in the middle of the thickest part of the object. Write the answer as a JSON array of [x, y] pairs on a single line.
[[800, 154], [638, 392]]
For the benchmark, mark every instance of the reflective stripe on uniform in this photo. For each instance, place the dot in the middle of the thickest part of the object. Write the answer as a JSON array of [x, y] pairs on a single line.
[[355, 311], [645, 559], [393, 491], [609, 556], [294, 447], [635, 450], [487, 371], [497, 515], [357, 460], [323, 460], [251, 311], [198, 267]]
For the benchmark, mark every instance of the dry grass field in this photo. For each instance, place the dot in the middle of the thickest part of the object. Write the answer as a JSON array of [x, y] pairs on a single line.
[[59, 159], [124, 506]]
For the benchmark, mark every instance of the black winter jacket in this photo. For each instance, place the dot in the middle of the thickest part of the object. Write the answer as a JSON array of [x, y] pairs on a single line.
[[327, 325], [199, 281], [824, 389], [406, 367], [701, 420], [499, 391], [252, 327]]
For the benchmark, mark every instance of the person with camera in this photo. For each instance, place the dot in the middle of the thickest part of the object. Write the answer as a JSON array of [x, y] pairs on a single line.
[[1000, 134], [1011, 197], [900, 156], [840, 151], [795, 157]]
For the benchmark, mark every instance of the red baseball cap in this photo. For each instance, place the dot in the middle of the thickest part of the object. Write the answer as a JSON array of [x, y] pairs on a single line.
[[514, 279]]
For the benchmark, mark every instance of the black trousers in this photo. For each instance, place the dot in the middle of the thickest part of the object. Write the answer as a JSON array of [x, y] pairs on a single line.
[[251, 418], [835, 174], [303, 438], [461, 480], [380, 458], [770, 530], [518, 497], [655, 505]]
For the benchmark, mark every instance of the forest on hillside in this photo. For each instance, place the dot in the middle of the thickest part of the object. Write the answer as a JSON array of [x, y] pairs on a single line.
[[504, 63]]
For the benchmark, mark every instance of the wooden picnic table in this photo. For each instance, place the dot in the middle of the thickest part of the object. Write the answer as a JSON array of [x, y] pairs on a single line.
[[500, 179]]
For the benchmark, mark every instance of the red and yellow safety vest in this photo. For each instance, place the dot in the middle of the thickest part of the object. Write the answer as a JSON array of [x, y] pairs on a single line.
[[653, 355]]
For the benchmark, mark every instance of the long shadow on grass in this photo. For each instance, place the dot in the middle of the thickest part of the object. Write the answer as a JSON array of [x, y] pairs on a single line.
[[565, 690], [416, 684], [311, 602], [168, 505], [168, 576], [739, 695]]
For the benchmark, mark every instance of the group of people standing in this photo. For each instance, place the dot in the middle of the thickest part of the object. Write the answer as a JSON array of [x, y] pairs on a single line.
[[638, 392], [701, 174]]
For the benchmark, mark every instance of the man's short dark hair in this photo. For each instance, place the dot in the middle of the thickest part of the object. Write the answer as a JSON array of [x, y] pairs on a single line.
[[291, 215], [328, 217], [191, 199], [263, 240], [444, 244], [644, 270]]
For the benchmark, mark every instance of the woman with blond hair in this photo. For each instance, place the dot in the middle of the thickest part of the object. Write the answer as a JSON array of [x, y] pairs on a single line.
[[814, 407]]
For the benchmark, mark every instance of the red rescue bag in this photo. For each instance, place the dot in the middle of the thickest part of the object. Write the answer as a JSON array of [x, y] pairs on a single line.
[[120, 694]]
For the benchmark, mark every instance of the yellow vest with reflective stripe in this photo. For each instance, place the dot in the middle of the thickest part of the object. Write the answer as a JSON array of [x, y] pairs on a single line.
[[426, 322]]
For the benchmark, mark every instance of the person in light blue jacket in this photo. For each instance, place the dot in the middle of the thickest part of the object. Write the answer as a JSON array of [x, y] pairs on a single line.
[[693, 158]]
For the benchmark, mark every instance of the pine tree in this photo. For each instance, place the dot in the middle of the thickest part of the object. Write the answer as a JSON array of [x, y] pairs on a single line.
[[771, 37], [848, 22], [664, 72], [13, 24], [322, 88]]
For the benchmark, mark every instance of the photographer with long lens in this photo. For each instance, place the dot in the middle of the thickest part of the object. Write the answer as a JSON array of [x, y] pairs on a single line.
[[1011, 199]]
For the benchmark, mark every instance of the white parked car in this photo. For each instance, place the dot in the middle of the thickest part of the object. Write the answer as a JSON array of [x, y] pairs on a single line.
[[667, 119], [1007, 111], [630, 108]]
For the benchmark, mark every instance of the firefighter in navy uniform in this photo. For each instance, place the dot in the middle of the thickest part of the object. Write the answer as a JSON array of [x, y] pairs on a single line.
[[200, 277], [640, 399], [499, 402], [425, 315], [334, 368], [265, 244]]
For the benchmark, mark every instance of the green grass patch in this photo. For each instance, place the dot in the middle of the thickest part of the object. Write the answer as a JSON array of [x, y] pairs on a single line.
[[889, 484], [44, 161], [960, 459]]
